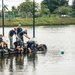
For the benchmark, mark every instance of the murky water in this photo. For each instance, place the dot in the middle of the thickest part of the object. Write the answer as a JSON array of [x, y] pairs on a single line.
[[57, 39]]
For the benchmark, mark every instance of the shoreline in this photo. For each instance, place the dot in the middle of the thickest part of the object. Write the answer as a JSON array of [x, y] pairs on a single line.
[[25, 22]]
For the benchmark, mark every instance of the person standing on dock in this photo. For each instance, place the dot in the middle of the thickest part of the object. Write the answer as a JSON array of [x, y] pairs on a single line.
[[19, 29], [10, 36]]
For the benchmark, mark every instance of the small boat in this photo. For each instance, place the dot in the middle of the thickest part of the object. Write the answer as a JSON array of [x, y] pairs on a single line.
[[37, 48]]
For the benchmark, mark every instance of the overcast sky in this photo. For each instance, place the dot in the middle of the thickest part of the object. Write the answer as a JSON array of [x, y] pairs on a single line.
[[17, 2]]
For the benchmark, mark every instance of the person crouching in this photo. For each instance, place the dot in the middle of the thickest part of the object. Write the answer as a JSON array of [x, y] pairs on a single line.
[[31, 46], [2, 43], [18, 46]]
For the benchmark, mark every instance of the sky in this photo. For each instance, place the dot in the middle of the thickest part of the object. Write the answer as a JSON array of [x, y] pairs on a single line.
[[11, 3]]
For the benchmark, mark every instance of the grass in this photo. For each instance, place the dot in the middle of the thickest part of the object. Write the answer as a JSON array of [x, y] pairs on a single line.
[[38, 21]]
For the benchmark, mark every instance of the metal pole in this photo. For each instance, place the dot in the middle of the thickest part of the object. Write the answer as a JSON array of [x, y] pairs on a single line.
[[33, 18], [3, 17]]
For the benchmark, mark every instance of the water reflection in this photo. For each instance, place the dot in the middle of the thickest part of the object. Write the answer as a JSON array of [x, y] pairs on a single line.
[[6, 62], [17, 62], [32, 57], [2, 62]]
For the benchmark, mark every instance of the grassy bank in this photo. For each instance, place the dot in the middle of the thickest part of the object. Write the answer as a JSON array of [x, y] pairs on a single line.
[[38, 21]]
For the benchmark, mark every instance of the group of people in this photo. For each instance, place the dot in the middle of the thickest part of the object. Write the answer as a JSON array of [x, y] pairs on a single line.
[[19, 33]]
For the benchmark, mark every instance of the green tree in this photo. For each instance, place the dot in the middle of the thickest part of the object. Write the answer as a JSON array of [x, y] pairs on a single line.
[[44, 10], [0, 14], [14, 10], [5, 7], [27, 7], [10, 13], [54, 4], [63, 2], [5, 10], [27, 0], [73, 6], [51, 4], [63, 10]]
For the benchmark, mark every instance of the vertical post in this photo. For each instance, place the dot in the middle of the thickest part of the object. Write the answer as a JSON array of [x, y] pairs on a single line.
[[33, 18], [3, 17]]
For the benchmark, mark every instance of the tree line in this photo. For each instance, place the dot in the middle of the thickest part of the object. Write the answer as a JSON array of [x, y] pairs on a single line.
[[46, 8]]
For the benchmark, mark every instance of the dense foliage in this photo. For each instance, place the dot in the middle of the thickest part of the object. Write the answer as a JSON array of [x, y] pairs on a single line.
[[53, 4], [73, 6], [46, 8]]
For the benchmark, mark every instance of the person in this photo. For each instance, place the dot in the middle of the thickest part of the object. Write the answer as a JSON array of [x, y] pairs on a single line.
[[18, 46], [10, 36], [19, 29], [31, 46], [23, 33], [2, 43]]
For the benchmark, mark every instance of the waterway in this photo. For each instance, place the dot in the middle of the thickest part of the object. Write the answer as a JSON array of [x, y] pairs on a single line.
[[57, 39]]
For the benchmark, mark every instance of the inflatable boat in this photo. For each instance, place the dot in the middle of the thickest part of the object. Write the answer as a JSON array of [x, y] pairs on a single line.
[[37, 48]]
